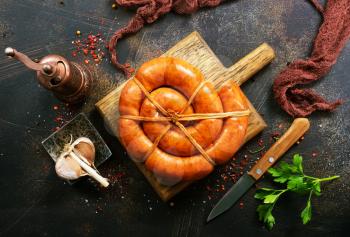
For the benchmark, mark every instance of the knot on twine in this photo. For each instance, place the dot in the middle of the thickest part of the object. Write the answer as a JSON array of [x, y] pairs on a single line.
[[174, 116]]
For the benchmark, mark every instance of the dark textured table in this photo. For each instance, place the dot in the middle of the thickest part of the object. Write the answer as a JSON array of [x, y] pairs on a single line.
[[34, 202]]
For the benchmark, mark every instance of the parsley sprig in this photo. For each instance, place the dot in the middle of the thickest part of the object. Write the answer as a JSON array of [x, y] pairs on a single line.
[[293, 176]]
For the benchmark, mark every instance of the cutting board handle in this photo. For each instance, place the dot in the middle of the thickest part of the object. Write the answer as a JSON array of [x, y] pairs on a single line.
[[249, 65]]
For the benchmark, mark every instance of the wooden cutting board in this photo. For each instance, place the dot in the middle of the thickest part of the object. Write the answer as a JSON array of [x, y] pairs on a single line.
[[195, 50]]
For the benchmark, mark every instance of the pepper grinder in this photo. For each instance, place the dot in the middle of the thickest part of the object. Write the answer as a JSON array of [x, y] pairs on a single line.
[[69, 81]]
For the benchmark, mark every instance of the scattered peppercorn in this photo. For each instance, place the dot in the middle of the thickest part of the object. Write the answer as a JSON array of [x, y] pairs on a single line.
[[85, 51], [91, 47]]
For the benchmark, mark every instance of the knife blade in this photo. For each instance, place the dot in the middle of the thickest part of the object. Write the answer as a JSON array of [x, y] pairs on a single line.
[[292, 135]]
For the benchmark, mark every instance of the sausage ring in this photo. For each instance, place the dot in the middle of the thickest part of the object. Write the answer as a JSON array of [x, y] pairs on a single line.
[[179, 88]]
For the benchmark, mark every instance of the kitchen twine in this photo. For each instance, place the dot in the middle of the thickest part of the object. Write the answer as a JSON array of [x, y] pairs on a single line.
[[176, 117]]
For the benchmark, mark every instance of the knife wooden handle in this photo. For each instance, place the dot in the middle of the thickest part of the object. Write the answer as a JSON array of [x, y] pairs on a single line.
[[292, 135]]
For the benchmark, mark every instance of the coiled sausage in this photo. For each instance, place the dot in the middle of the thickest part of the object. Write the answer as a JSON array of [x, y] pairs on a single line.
[[171, 82]]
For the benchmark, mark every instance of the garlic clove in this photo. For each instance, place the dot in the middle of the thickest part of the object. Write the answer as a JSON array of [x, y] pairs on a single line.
[[67, 168], [86, 149], [86, 152]]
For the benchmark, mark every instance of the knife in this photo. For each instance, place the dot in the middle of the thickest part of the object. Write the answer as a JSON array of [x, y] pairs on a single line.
[[292, 135]]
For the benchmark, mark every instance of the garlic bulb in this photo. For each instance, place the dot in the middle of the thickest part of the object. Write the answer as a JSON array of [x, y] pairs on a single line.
[[78, 160]]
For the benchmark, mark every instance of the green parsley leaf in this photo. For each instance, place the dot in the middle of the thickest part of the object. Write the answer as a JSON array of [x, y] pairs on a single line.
[[288, 169], [263, 210], [295, 183], [270, 221], [281, 179], [297, 161], [271, 198], [265, 214], [316, 188], [285, 167], [274, 172], [278, 174], [306, 213], [262, 193]]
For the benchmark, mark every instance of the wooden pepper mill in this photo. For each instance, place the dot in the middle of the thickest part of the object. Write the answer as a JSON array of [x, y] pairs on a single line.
[[69, 81]]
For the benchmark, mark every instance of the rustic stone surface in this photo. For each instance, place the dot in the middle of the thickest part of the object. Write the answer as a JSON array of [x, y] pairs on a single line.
[[35, 202]]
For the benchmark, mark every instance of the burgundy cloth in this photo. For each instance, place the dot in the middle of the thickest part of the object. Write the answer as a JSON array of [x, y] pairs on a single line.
[[149, 11], [331, 39]]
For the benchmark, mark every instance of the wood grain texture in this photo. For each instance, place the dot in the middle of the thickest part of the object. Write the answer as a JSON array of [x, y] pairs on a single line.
[[291, 136], [194, 50]]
